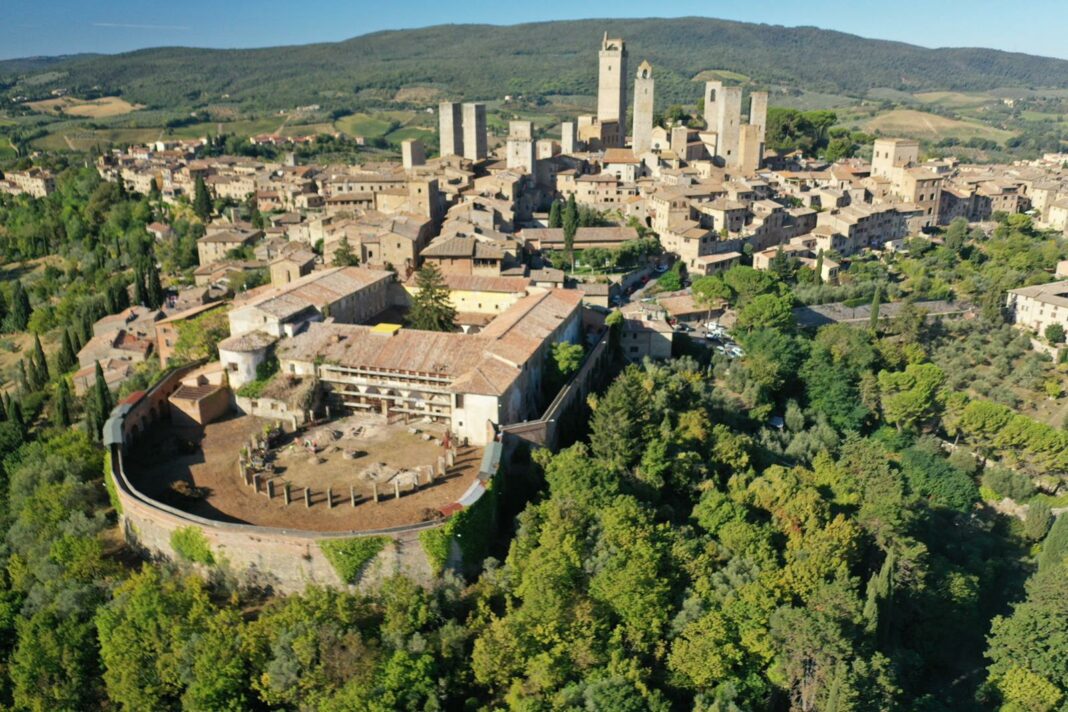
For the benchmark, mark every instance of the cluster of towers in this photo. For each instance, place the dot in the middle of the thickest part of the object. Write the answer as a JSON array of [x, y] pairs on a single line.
[[735, 144], [462, 130], [726, 140]]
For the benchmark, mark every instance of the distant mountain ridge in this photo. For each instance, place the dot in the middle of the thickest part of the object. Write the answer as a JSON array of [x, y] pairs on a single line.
[[487, 61]]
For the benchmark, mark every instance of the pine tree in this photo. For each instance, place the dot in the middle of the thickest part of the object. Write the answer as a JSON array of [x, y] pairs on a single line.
[[431, 309], [876, 300], [63, 408], [201, 200], [344, 256], [39, 355], [20, 307], [555, 217]]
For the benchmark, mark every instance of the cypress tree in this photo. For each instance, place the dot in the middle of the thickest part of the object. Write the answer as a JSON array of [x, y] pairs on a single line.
[[876, 300], [21, 378], [42, 362], [3, 406], [201, 200], [63, 406], [555, 218], [20, 307], [67, 356], [819, 268], [86, 331], [14, 414], [153, 287], [139, 290], [101, 395]]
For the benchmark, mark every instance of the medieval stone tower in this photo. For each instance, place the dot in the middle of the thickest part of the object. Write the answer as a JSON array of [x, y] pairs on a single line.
[[643, 109], [612, 81], [475, 132], [450, 129]]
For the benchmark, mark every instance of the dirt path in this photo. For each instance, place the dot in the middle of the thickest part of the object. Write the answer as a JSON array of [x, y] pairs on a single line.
[[70, 143]]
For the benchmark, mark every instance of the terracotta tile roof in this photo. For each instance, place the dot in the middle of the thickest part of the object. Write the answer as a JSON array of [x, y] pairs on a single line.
[[484, 363]]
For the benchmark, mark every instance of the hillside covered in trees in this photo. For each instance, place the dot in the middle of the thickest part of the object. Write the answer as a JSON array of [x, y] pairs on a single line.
[[685, 553], [543, 58]]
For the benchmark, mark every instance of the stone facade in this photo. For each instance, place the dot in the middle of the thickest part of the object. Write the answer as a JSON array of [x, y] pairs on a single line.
[[643, 109], [450, 128], [474, 145]]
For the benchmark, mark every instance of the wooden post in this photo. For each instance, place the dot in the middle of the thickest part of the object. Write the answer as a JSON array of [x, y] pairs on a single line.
[[352, 494], [286, 493], [330, 497], [374, 491], [307, 497]]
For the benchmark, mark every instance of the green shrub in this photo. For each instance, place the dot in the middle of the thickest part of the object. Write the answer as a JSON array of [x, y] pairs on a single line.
[[190, 544], [349, 556], [436, 545], [1008, 483]]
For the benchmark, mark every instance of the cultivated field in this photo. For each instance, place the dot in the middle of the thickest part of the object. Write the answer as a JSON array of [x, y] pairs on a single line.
[[102, 108], [923, 125]]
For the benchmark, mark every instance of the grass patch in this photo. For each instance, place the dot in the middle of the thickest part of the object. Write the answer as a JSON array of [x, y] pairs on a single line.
[[363, 125], [110, 486], [190, 544], [350, 556], [923, 125]]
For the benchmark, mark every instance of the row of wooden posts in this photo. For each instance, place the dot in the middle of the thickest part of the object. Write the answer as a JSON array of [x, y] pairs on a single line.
[[271, 489]]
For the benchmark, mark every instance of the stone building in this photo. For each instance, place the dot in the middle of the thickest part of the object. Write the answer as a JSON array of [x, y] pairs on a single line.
[[345, 294], [412, 153], [474, 383], [520, 145]]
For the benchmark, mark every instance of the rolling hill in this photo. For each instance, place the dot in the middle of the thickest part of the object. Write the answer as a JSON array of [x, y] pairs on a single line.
[[484, 62]]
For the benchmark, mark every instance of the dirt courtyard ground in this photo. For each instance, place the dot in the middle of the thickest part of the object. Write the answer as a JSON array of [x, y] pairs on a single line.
[[353, 451]]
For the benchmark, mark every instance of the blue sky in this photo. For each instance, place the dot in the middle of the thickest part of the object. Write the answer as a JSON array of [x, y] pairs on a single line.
[[50, 27]]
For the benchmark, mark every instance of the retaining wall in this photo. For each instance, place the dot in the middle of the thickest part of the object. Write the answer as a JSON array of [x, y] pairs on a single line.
[[545, 431]]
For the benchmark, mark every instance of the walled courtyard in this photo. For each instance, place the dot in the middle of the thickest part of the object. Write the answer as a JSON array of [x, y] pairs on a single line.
[[196, 470]]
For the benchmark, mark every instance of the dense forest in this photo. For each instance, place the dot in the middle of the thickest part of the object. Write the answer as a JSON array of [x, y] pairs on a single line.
[[688, 552], [543, 58]]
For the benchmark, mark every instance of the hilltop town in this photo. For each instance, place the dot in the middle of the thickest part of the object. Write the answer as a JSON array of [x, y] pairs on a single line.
[[778, 429]]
